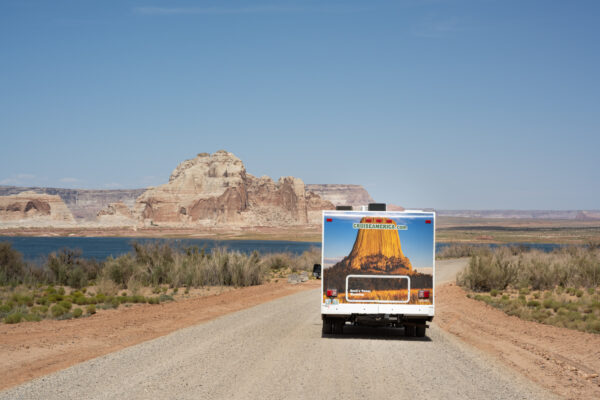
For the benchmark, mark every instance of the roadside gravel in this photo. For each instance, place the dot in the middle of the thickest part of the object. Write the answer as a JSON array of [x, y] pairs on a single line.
[[275, 350]]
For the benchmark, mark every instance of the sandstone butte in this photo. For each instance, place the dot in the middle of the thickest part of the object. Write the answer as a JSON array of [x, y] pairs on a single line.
[[215, 190]]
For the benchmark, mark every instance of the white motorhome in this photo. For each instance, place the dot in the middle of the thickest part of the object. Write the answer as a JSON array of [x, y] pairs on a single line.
[[378, 269]]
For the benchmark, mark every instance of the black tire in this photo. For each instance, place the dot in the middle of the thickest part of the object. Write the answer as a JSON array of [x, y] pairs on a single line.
[[420, 331], [327, 326], [409, 330], [338, 326]]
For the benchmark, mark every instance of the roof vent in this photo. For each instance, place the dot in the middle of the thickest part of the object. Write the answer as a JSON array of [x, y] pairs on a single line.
[[343, 208]]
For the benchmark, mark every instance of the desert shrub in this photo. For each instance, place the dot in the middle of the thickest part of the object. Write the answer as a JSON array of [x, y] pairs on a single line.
[[12, 267], [489, 270], [13, 318], [114, 302], [121, 269], [533, 303], [65, 304], [156, 260], [458, 251], [39, 310], [57, 310], [494, 292], [91, 309], [107, 287], [32, 317], [164, 297], [572, 267], [78, 312], [67, 267]]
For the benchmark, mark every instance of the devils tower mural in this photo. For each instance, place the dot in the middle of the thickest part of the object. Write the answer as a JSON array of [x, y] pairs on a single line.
[[376, 268]]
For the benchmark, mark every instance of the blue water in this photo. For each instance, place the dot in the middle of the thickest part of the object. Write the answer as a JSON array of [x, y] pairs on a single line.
[[38, 248]]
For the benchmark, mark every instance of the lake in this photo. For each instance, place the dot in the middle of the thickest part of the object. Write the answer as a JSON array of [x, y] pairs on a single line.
[[37, 248]]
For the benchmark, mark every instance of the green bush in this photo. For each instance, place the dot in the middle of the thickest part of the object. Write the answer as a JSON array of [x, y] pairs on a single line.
[[524, 290], [13, 318], [57, 310], [66, 304], [32, 317], [494, 292], [533, 303], [115, 302], [91, 309], [77, 312], [12, 267]]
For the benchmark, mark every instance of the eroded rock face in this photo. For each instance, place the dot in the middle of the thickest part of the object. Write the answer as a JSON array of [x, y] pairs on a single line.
[[215, 189], [342, 195], [34, 207], [116, 210]]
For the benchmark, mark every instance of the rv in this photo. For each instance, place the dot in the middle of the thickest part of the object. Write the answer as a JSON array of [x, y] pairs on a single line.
[[378, 269]]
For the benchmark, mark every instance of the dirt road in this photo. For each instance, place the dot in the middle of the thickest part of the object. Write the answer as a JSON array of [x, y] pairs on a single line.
[[275, 350]]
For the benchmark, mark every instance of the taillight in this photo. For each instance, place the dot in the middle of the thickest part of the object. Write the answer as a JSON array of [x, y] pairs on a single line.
[[329, 219], [331, 292], [423, 294], [388, 221]]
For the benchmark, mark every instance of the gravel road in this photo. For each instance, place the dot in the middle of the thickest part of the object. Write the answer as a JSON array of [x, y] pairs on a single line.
[[275, 350]]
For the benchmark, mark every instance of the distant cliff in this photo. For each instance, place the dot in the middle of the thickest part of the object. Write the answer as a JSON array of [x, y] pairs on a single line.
[[34, 209], [342, 195], [83, 203]]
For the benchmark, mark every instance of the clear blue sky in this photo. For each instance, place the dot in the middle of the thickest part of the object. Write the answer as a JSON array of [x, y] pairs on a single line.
[[446, 104]]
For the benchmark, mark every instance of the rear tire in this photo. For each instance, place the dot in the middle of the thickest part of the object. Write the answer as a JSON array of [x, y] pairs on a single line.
[[420, 331], [338, 326], [327, 326]]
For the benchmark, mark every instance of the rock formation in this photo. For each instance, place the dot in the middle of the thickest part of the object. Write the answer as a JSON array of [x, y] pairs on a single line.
[[84, 204], [342, 195], [116, 214], [30, 208], [216, 190]]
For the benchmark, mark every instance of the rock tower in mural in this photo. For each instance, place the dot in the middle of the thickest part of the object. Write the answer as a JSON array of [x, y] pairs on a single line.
[[377, 250]]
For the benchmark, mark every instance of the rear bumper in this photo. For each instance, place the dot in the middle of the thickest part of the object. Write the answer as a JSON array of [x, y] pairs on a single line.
[[396, 309]]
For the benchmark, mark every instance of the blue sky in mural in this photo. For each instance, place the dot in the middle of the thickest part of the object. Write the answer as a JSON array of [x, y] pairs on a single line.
[[416, 240]]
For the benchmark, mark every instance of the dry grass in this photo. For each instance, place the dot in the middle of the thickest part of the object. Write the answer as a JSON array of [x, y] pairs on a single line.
[[568, 308], [510, 267]]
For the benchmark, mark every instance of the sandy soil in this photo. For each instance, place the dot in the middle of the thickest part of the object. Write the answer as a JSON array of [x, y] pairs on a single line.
[[563, 360], [32, 349]]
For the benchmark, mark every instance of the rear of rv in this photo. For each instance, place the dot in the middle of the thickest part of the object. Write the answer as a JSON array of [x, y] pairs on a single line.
[[378, 269]]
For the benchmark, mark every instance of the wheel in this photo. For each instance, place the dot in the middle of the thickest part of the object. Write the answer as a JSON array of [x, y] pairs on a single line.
[[420, 332], [338, 326], [409, 330], [327, 326]]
